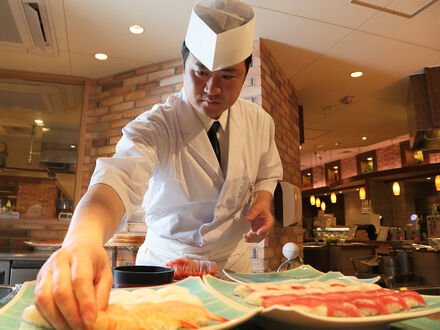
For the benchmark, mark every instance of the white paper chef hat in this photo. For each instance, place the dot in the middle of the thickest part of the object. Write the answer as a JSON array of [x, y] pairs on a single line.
[[220, 32]]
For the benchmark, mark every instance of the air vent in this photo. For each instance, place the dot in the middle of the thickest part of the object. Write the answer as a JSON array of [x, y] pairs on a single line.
[[27, 24]]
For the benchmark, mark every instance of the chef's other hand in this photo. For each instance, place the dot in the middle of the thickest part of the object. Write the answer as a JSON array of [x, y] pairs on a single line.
[[73, 284], [261, 218]]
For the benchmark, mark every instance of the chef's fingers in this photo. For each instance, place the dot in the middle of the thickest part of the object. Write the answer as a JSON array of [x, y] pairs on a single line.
[[83, 274], [43, 297], [103, 283], [63, 291]]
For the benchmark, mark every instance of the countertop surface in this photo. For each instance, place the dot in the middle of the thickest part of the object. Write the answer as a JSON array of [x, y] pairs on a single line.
[[8, 254]]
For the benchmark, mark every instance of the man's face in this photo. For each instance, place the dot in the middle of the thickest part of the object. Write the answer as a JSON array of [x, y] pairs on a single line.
[[212, 92]]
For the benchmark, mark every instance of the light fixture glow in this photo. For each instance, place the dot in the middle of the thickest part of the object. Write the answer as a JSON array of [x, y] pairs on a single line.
[[370, 158], [437, 182], [312, 200], [364, 138], [136, 29], [323, 206], [309, 174], [73, 146], [318, 202], [39, 122], [333, 197], [356, 74], [335, 167], [101, 56], [45, 129], [396, 188], [362, 193]]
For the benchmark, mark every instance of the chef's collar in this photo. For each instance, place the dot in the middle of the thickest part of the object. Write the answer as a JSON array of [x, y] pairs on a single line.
[[208, 121]]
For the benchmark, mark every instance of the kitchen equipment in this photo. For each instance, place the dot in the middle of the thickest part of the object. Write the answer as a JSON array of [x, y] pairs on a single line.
[[396, 234], [130, 276]]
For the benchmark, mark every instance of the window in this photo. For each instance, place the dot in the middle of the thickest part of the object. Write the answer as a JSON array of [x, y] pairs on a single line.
[[409, 157], [332, 171], [366, 162], [307, 178]]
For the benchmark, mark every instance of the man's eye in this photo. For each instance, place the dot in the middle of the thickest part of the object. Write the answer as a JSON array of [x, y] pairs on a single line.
[[227, 77], [201, 73]]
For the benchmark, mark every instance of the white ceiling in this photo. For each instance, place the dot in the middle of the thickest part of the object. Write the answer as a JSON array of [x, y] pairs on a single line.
[[318, 43]]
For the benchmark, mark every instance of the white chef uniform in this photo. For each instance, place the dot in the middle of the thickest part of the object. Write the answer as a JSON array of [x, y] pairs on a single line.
[[165, 161]]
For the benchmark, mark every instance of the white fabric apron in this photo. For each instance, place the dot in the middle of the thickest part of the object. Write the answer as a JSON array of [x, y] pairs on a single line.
[[232, 255]]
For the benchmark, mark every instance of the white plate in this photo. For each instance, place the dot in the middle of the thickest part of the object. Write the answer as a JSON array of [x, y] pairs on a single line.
[[10, 314], [297, 318]]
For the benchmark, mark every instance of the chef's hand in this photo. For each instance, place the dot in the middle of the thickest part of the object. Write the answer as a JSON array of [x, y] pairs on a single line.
[[260, 217], [73, 285], [75, 282]]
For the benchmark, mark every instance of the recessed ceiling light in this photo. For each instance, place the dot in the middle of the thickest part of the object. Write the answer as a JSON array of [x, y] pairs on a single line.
[[39, 122], [309, 174], [356, 74], [357, 189], [337, 143], [335, 167], [136, 29], [370, 158], [45, 129], [73, 146], [101, 56], [340, 191], [428, 178], [364, 138]]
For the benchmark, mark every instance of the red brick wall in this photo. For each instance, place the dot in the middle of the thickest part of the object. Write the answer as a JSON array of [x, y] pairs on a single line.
[[388, 157], [319, 176], [42, 193], [348, 167]]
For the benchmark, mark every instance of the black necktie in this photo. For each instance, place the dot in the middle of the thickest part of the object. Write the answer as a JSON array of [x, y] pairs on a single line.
[[212, 134]]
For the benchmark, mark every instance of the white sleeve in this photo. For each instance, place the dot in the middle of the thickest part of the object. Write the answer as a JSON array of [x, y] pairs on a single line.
[[131, 167], [270, 169]]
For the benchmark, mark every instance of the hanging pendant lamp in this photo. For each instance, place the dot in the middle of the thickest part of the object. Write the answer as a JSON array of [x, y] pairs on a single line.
[[396, 188], [333, 197], [318, 202], [312, 200], [362, 193], [323, 206], [437, 182]]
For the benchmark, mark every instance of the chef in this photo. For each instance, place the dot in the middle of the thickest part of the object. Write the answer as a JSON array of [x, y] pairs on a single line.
[[203, 165]]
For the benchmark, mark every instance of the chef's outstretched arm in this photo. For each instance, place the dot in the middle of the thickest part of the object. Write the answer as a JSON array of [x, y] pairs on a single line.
[[260, 217], [75, 281]]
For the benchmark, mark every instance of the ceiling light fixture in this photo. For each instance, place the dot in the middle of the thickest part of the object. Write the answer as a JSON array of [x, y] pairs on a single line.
[[101, 56], [356, 74], [312, 200], [323, 206], [136, 29], [333, 197], [45, 129], [39, 122], [318, 202], [437, 182], [396, 188], [73, 146], [362, 193], [364, 138]]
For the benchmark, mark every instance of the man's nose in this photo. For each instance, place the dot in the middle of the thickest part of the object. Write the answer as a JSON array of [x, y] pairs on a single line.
[[212, 86]]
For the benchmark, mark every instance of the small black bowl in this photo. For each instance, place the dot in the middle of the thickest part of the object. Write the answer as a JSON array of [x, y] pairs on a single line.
[[130, 276]]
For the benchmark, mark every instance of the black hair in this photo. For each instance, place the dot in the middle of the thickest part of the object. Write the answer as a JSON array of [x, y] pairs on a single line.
[[185, 53]]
